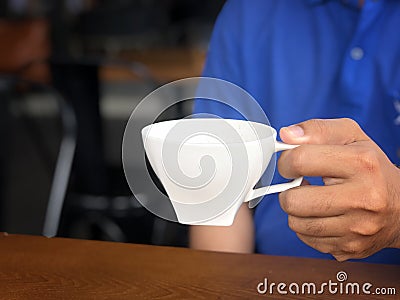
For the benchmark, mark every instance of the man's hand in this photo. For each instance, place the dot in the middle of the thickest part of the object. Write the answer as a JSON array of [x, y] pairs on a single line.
[[357, 212]]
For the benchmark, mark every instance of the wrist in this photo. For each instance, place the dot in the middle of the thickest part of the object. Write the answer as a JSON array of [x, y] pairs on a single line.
[[396, 243]]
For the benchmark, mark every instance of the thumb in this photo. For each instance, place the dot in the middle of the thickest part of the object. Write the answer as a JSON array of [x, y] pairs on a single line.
[[323, 131]]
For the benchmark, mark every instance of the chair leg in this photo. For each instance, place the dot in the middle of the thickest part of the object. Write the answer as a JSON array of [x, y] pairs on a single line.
[[59, 186], [62, 169]]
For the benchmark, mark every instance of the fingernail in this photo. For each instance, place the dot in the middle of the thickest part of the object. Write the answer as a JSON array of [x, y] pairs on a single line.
[[295, 131]]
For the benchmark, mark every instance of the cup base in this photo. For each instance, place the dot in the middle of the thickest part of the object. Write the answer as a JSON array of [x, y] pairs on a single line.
[[224, 219]]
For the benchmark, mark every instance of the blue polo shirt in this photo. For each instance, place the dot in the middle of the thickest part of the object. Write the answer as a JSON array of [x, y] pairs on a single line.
[[311, 59]]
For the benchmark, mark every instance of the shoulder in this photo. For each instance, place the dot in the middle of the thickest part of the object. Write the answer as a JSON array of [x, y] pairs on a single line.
[[244, 13], [243, 19]]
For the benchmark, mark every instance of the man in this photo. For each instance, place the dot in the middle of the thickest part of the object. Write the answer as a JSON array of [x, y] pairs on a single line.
[[309, 59]]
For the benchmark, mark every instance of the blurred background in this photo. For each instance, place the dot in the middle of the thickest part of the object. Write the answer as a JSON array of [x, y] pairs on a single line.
[[71, 72]]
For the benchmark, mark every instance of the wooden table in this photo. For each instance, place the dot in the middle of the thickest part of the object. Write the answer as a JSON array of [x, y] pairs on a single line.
[[41, 268]]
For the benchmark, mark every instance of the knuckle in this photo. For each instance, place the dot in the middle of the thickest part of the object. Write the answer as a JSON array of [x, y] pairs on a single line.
[[323, 248], [367, 160], [375, 200], [372, 228], [292, 223], [350, 123], [341, 257], [287, 200], [283, 200], [353, 247], [283, 164], [316, 243], [298, 159], [367, 228], [353, 129]]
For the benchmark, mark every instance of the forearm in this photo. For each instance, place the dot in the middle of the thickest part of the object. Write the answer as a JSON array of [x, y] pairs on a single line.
[[236, 238]]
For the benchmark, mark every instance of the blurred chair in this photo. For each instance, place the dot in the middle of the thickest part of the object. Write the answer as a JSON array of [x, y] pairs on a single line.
[[22, 41], [11, 85], [75, 83], [75, 68], [94, 209], [95, 215]]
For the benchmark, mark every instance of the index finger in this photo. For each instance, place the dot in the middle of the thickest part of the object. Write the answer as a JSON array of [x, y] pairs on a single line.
[[319, 160]]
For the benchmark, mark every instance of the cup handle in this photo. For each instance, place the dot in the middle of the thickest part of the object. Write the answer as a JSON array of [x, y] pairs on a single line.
[[276, 188]]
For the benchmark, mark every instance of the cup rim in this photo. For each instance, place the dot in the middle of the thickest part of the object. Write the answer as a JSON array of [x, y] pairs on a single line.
[[145, 130]]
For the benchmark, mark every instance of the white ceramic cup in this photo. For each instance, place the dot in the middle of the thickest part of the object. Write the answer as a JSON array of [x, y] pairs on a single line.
[[209, 167]]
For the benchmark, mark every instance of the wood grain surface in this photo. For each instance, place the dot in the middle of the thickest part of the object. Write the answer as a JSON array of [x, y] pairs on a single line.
[[41, 268]]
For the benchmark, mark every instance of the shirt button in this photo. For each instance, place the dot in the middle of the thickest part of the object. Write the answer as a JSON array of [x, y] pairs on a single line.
[[357, 53]]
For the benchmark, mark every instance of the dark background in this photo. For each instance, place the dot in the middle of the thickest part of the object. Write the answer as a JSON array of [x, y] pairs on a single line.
[[101, 57]]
